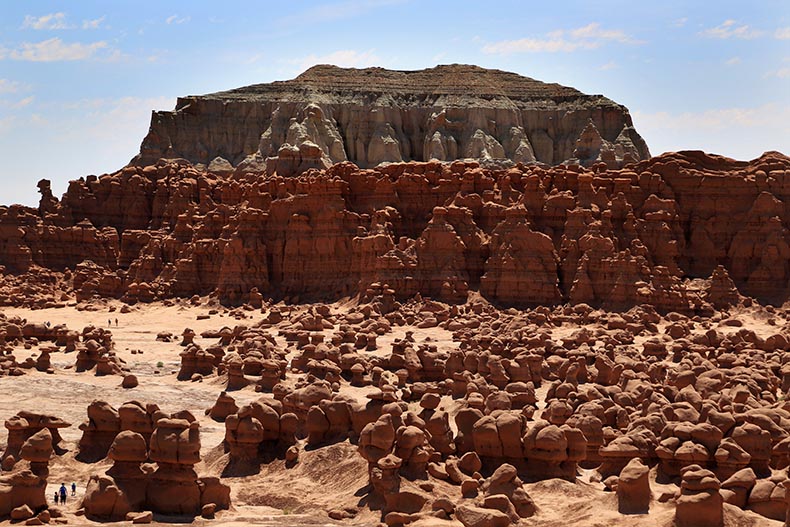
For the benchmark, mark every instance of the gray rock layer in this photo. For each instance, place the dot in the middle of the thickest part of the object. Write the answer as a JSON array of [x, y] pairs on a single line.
[[371, 116]]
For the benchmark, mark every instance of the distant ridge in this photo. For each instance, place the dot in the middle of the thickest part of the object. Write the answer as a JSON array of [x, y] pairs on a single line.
[[370, 116]]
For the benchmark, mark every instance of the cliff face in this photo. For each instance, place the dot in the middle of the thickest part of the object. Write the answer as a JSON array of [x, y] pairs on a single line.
[[680, 231], [370, 116]]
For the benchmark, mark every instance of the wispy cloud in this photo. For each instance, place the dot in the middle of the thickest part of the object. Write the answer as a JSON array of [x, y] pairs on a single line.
[[594, 31], [760, 128], [9, 86], [50, 21], [611, 65], [93, 24], [731, 29], [680, 22], [112, 128], [591, 36], [175, 19], [783, 33], [27, 101], [118, 106], [722, 118], [53, 50], [783, 72], [346, 58], [733, 61]]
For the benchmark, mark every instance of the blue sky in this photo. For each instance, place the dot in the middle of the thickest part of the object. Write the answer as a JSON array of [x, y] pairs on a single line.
[[78, 80]]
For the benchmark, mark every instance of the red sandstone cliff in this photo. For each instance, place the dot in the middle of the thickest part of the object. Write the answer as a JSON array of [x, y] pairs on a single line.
[[522, 236]]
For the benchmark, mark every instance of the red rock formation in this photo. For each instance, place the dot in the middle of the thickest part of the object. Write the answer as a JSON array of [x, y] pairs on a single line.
[[173, 488], [24, 425], [25, 484], [99, 431], [522, 269], [523, 236], [700, 503]]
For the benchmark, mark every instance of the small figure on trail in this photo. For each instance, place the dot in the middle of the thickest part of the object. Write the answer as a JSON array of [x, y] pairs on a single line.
[[116, 322], [63, 493], [73, 489], [57, 498], [109, 323]]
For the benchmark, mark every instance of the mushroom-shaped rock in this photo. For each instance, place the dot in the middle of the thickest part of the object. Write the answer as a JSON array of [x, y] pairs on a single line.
[[735, 490], [633, 488], [38, 447], [700, 504], [377, 439], [223, 407]]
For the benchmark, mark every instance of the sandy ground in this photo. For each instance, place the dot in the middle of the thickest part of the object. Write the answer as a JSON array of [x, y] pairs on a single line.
[[276, 496], [66, 394]]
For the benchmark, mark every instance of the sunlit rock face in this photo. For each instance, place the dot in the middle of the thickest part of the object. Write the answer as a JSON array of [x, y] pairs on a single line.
[[370, 116]]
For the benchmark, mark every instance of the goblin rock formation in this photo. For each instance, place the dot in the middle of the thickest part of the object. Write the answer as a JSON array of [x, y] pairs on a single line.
[[173, 487], [328, 115], [503, 342], [685, 232]]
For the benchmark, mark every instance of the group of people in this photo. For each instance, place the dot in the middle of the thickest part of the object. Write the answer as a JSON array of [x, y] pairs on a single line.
[[62, 493]]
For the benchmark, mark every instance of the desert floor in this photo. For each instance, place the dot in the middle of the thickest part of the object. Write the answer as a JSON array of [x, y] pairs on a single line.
[[325, 478]]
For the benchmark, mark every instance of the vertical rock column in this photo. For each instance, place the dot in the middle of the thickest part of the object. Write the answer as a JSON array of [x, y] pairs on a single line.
[[175, 447], [700, 504]]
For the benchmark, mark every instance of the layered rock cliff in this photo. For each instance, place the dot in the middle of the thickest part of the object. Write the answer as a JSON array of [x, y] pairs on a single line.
[[370, 116], [680, 231]]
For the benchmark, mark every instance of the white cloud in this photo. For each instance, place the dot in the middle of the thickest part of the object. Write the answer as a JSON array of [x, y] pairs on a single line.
[[781, 73], [680, 22], [114, 55], [50, 21], [718, 118], [22, 103], [93, 24], [591, 36], [611, 65], [783, 33], [175, 19], [733, 61], [731, 29], [102, 115], [596, 32], [345, 58], [741, 132], [9, 86], [532, 45], [53, 50], [86, 137]]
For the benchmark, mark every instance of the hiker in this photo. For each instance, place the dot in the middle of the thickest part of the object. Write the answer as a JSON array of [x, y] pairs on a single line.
[[109, 322], [63, 493], [57, 500], [116, 322], [73, 489]]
